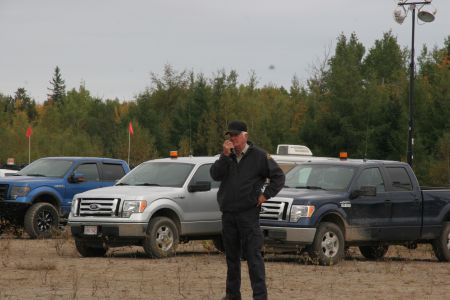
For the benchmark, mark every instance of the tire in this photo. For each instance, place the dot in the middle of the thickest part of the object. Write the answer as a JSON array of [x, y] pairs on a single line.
[[41, 220], [87, 250], [3, 224], [162, 238], [441, 246], [374, 252], [328, 245], [218, 244]]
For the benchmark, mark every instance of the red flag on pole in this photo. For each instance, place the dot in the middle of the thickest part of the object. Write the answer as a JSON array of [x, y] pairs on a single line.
[[130, 128], [29, 132]]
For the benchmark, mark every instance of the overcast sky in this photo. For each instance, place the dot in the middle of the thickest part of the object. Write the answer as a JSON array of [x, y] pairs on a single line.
[[113, 45]]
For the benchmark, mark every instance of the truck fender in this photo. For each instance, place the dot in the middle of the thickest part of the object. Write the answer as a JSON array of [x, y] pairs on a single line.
[[444, 214], [164, 206], [331, 213], [45, 194]]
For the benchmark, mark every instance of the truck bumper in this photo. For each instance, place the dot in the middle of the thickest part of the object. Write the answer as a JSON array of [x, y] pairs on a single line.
[[86, 230], [10, 209], [274, 235]]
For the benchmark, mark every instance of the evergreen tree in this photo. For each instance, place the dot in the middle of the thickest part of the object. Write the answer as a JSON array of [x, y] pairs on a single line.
[[57, 89], [23, 102]]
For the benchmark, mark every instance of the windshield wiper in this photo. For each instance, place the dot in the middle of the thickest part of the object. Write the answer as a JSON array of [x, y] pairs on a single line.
[[310, 187], [122, 183], [37, 175], [148, 184]]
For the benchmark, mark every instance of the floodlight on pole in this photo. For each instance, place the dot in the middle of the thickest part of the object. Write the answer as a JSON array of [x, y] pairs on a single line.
[[400, 13], [426, 15]]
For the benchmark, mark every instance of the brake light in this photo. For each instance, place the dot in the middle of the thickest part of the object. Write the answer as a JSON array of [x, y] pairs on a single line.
[[343, 155], [173, 154]]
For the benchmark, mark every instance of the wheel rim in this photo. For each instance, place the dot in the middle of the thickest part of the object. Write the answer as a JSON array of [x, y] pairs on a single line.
[[164, 238], [330, 244], [45, 220], [448, 241]]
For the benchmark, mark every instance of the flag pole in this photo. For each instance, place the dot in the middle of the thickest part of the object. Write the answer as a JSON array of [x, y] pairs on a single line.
[[129, 145], [29, 149], [130, 132]]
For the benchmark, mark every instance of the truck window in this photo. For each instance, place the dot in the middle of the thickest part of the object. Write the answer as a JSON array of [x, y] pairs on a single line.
[[112, 172], [321, 176], [299, 178], [286, 167], [171, 174], [90, 171], [202, 174], [47, 168], [400, 180], [371, 177]]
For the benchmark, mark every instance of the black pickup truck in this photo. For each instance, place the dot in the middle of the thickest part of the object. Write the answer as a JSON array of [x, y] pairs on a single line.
[[332, 204]]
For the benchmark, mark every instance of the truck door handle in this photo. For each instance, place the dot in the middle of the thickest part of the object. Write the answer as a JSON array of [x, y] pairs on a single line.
[[387, 202]]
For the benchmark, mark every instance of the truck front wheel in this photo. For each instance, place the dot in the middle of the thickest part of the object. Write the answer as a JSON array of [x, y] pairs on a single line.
[[328, 244], [441, 246], [87, 250], [41, 220], [374, 252], [162, 238]]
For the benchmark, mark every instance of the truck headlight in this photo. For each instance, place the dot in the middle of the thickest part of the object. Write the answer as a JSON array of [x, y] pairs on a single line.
[[133, 206], [74, 209], [301, 211], [19, 191]]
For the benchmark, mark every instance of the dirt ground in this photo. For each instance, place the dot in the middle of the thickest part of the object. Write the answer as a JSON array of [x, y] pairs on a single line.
[[52, 269]]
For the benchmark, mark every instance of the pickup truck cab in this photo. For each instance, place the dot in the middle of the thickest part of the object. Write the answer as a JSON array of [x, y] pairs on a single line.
[[328, 205], [159, 204], [40, 195]]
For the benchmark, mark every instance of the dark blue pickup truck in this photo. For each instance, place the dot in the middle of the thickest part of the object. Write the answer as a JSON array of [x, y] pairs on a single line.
[[332, 204], [40, 195]]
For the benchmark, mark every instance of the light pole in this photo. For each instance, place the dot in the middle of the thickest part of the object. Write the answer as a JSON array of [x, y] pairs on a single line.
[[400, 13]]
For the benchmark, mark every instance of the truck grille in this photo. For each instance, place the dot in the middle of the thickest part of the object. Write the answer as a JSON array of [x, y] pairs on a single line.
[[3, 191], [98, 207], [275, 209]]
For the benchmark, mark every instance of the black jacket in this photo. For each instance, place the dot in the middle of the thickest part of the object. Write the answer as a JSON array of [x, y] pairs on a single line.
[[242, 183]]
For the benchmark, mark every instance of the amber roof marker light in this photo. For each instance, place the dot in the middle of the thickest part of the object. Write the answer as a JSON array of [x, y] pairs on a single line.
[[343, 155]]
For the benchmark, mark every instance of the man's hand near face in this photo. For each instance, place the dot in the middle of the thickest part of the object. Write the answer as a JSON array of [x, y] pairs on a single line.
[[227, 146]]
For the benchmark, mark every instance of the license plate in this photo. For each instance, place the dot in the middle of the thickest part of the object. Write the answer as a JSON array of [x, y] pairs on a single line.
[[90, 230]]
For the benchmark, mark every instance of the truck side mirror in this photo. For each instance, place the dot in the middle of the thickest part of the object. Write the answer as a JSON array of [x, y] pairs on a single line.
[[200, 186], [367, 190], [77, 178]]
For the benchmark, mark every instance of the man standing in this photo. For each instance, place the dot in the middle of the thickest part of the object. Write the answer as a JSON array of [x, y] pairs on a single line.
[[243, 170]]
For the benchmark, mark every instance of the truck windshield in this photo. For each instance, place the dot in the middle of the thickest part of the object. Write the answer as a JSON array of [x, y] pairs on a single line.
[[169, 174], [320, 176], [46, 168]]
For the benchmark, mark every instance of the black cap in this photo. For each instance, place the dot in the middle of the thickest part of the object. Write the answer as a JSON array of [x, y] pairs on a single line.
[[236, 127]]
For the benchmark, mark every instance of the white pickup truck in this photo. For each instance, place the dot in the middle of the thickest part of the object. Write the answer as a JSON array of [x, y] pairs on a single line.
[[157, 205]]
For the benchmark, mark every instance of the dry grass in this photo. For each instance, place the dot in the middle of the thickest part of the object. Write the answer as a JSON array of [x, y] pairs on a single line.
[[52, 269]]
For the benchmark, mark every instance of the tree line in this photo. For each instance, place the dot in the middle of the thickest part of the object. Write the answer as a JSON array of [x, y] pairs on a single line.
[[356, 100]]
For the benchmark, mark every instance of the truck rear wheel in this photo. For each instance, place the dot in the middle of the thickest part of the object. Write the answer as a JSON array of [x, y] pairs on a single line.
[[88, 250], [441, 246], [41, 220], [162, 238], [374, 252], [3, 224], [328, 244], [218, 244]]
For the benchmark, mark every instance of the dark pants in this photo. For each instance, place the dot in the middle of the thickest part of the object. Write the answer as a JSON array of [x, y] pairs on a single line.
[[241, 231]]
